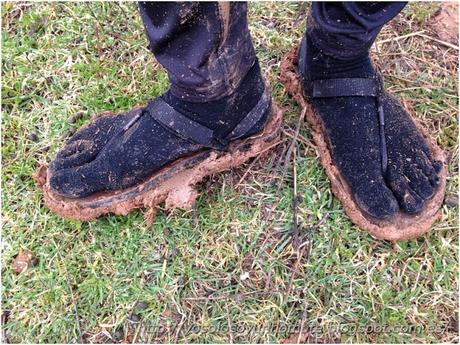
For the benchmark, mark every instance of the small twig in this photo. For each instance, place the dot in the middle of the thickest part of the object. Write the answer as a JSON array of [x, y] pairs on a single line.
[[309, 242], [195, 220], [237, 296], [122, 10], [302, 323], [256, 159], [179, 327], [295, 211], [295, 270], [269, 278], [96, 29], [301, 14], [300, 137], [303, 250], [280, 160], [295, 226], [420, 33], [229, 323], [136, 334], [77, 316], [294, 140], [321, 222], [394, 39], [447, 44]]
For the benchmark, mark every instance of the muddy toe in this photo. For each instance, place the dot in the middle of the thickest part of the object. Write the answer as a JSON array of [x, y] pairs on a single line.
[[88, 141], [412, 171], [408, 199], [78, 182], [418, 181], [75, 154], [376, 200], [429, 169]]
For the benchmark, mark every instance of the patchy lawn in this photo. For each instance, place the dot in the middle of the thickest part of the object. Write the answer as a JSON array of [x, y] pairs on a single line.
[[227, 271]]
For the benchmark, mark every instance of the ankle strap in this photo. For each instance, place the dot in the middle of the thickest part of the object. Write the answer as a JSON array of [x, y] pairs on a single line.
[[345, 87], [180, 124], [191, 130]]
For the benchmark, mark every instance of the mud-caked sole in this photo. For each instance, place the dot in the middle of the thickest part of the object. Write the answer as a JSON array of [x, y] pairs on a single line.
[[174, 184], [402, 226]]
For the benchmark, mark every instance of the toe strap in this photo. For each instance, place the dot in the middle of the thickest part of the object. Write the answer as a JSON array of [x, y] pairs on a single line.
[[252, 117]]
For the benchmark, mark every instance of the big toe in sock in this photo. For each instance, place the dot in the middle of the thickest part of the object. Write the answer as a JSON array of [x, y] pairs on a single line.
[[376, 199], [88, 141], [382, 184], [80, 181]]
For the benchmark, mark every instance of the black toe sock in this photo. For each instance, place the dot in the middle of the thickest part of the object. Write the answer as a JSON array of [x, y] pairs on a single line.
[[412, 172], [352, 128], [107, 156]]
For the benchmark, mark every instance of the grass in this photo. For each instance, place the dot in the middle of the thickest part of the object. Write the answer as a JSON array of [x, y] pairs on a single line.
[[224, 272]]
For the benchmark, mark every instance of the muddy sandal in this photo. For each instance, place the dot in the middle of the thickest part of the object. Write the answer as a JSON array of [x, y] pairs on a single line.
[[399, 226], [175, 182]]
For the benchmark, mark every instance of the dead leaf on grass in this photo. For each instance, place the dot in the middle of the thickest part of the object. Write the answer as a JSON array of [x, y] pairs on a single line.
[[24, 260]]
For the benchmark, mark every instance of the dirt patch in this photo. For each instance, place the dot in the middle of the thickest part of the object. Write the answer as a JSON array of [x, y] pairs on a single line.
[[400, 227], [174, 184], [444, 23]]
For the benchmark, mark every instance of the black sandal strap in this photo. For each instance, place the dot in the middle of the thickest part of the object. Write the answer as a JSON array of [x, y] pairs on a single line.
[[202, 135], [182, 125], [383, 141], [252, 117], [345, 87]]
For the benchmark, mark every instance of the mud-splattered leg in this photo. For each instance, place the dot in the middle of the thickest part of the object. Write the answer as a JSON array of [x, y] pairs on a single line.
[[205, 46]]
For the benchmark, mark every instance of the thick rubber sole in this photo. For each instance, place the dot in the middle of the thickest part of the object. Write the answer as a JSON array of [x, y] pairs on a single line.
[[174, 184], [400, 227]]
